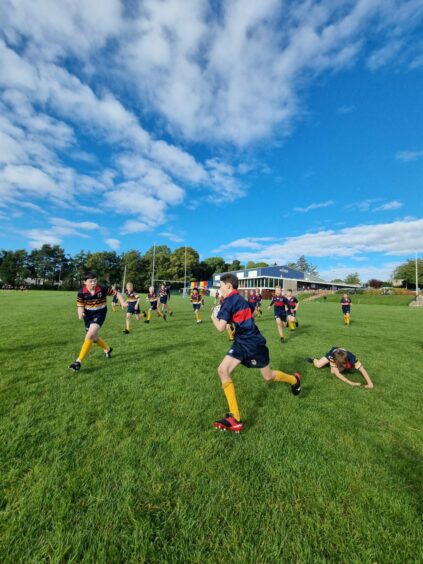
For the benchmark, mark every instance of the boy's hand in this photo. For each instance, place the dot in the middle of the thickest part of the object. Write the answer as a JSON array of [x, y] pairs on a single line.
[[81, 315]]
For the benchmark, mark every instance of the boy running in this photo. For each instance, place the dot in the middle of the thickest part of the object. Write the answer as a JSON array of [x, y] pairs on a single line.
[[133, 303], [346, 308], [280, 304], [163, 298], [196, 301], [249, 349], [339, 361], [152, 299], [259, 299], [91, 304], [292, 309]]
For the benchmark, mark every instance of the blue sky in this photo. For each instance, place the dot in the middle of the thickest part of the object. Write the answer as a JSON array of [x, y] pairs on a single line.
[[251, 130]]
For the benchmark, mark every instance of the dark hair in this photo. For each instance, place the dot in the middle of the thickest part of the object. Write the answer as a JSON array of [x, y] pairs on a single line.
[[88, 275], [340, 357], [230, 279], [289, 290]]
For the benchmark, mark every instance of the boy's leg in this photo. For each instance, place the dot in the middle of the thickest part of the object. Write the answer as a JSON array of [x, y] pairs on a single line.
[[128, 323], [90, 338], [197, 315], [280, 328], [348, 318], [278, 376], [320, 362], [291, 320], [225, 369]]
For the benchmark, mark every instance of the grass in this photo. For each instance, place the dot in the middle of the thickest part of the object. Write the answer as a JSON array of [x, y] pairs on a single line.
[[371, 299], [119, 463]]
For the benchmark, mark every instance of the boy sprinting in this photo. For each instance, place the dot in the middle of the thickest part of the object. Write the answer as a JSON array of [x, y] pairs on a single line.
[[133, 303], [92, 308], [280, 304], [340, 360], [249, 348], [115, 301], [292, 309], [346, 308], [196, 300], [163, 299], [259, 299], [152, 298]]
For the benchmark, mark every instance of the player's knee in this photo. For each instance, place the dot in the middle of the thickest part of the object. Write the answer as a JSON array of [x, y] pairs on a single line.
[[223, 373]]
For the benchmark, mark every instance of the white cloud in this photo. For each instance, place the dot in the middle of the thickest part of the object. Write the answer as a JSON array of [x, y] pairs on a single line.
[[343, 110], [134, 226], [315, 206], [114, 244], [399, 238], [384, 55], [245, 243], [394, 205], [172, 237], [59, 229], [409, 156], [382, 272]]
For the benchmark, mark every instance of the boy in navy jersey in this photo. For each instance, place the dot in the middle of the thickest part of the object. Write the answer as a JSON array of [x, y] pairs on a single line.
[[259, 299], [249, 349], [280, 304], [292, 308], [163, 298], [133, 303], [340, 360], [91, 304], [196, 301], [152, 298], [346, 308]]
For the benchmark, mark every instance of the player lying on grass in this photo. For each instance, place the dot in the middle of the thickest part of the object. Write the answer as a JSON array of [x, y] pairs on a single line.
[[249, 348], [346, 308], [280, 305], [339, 361], [92, 308], [133, 303]]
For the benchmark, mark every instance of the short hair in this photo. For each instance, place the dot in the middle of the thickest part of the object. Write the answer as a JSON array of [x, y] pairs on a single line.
[[88, 275], [340, 357], [289, 290], [230, 279]]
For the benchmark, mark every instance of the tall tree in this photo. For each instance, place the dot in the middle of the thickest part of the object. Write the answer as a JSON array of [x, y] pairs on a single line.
[[14, 267], [107, 265], [46, 263], [352, 278], [217, 264], [177, 263], [407, 272], [252, 264], [304, 265], [135, 270]]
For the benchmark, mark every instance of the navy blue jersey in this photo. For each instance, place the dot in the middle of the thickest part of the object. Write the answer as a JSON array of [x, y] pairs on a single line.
[[292, 304], [280, 304], [236, 310], [352, 360], [95, 301], [346, 305]]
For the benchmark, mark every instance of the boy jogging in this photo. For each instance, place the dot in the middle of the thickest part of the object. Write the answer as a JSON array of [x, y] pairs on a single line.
[[249, 348], [92, 308]]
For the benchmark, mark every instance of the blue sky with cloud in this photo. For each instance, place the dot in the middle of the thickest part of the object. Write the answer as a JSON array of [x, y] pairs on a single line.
[[253, 130]]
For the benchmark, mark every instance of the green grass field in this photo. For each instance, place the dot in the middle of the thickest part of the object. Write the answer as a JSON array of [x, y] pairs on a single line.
[[120, 463]]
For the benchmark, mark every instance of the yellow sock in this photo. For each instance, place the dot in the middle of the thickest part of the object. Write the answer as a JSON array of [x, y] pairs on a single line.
[[128, 324], [292, 325], [197, 315], [282, 377], [348, 319], [229, 389], [85, 349], [100, 343], [149, 315]]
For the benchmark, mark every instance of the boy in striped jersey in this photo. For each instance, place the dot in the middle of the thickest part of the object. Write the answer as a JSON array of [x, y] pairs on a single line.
[[92, 308]]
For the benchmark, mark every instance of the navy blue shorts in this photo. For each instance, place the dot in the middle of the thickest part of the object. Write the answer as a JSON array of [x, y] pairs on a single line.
[[257, 358], [292, 313], [115, 300], [153, 306], [196, 307], [97, 317], [163, 300], [346, 309], [133, 308], [281, 316]]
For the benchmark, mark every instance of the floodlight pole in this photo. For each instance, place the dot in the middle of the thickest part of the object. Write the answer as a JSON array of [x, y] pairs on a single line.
[[417, 277], [124, 279], [154, 264], [185, 275]]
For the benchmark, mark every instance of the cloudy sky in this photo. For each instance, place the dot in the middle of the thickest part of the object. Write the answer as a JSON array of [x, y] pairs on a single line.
[[251, 130]]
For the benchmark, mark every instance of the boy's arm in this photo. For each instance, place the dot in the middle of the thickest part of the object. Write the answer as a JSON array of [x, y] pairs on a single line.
[[369, 383], [81, 312], [120, 299], [320, 362], [220, 324], [334, 370]]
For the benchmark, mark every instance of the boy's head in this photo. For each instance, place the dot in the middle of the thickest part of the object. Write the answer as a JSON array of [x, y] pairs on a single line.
[[151, 289], [340, 358], [195, 290], [129, 287], [288, 293], [228, 283], [278, 291], [345, 296], [90, 280]]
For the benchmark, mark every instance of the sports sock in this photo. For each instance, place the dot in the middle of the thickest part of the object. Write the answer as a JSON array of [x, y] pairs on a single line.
[[149, 315], [128, 324], [85, 349], [100, 343], [197, 315], [292, 325], [229, 389], [280, 376]]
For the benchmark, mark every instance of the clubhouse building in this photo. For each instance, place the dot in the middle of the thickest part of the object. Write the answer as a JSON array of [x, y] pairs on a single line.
[[268, 277]]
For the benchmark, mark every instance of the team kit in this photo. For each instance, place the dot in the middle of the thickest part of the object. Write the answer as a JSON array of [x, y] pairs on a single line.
[[233, 314]]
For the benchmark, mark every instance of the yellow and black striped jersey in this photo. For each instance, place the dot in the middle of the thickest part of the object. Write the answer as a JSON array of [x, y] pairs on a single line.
[[95, 300]]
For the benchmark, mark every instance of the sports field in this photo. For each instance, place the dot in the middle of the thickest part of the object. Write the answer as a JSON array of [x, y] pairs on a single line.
[[120, 463]]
